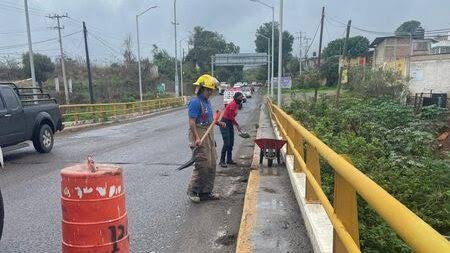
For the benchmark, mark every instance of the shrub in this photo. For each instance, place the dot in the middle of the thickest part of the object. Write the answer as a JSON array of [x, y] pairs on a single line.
[[394, 147]]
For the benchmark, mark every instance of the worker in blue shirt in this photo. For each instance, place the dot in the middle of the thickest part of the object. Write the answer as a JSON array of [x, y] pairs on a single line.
[[200, 117]]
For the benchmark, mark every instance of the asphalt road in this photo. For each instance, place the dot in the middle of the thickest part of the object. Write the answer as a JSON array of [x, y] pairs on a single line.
[[161, 218]]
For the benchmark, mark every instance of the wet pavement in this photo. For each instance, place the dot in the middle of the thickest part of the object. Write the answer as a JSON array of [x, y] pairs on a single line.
[[161, 218], [277, 225]]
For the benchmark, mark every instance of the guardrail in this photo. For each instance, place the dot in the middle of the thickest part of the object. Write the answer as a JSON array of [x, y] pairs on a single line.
[[105, 111], [420, 236]]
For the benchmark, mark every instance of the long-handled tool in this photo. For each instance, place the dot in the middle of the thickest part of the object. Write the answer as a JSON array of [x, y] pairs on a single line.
[[195, 150]]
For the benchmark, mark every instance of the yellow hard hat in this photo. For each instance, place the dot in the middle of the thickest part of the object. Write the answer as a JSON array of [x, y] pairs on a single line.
[[207, 81]]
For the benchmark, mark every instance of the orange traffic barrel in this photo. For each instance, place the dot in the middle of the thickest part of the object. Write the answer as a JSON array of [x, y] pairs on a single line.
[[94, 217]]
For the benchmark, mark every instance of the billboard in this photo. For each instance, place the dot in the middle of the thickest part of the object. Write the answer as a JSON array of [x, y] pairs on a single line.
[[286, 82]]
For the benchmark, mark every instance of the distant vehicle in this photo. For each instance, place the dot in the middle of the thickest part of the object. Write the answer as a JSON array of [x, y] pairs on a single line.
[[28, 114], [223, 87], [247, 92], [229, 93]]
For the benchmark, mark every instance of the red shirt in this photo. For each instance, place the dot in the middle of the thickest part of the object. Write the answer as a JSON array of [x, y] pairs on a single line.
[[231, 111]]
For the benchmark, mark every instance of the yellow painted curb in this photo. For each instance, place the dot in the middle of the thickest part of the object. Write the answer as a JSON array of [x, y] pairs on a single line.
[[248, 218], [248, 214]]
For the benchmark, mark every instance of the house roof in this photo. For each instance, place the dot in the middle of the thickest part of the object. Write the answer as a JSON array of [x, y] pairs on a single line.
[[378, 40]]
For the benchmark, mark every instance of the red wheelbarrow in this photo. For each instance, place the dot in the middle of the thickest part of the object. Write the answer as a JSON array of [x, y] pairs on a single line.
[[270, 149]]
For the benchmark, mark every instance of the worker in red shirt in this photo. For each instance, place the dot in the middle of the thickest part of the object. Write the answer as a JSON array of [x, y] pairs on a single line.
[[229, 118]]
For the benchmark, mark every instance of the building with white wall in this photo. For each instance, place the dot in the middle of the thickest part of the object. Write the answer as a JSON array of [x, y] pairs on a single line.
[[430, 73]]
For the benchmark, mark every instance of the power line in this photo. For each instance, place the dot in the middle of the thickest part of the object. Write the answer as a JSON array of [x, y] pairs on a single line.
[[35, 43], [6, 6], [436, 31], [105, 44], [312, 41]]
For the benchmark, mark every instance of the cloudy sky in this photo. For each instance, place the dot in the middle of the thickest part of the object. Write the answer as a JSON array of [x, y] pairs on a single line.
[[110, 21]]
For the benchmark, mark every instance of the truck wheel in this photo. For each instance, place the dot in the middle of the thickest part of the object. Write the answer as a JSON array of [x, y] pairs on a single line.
[[2, 215], [43, 140]]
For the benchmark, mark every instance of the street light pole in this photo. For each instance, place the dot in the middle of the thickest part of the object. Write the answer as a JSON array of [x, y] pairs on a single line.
[[181, 69], [139, 49], [30, 47], [273, 51], [280, 54], [273, 40], [268, 61], [181, 66], [176, 56]]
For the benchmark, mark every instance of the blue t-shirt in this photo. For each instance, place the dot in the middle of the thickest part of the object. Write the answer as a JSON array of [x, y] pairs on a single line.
[[195, 110]]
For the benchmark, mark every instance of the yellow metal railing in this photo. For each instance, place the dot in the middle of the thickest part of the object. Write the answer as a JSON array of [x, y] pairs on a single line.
[[420, 236], [104, 111]]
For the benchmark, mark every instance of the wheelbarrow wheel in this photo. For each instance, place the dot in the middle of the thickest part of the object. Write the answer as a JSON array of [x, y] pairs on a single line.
[[278, 157], [270, 162]]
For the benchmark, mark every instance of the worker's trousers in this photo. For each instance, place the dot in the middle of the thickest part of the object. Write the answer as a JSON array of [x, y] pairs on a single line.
[[204, 173], [228, 141]]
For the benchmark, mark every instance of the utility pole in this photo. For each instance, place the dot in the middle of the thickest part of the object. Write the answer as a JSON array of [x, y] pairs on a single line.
[[268, 65], [88, 64], [307, 40], [181, 70], [30, 47], [212, 65], [300, 55], [59, 27], [280, 54], [320, 38], [176, 56], [344, 53]]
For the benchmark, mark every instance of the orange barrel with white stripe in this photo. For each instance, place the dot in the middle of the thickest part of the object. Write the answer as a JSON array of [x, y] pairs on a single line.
[[94, 217]]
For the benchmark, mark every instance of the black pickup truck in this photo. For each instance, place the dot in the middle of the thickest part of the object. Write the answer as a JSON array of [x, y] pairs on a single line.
[[28, 114]]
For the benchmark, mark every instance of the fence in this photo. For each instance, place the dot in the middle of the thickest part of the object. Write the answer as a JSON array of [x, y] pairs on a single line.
[[105, 111], [349, 181]]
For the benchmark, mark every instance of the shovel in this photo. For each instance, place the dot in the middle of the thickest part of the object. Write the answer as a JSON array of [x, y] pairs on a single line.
[[195, 150]]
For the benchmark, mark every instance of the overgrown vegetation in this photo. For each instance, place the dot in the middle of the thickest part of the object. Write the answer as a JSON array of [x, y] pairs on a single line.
[[395, 147]]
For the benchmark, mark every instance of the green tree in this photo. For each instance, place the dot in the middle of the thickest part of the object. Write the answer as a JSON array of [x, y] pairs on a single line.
[[43, 66], [261, 42], [330, 70], [165, 62], [312, 78], [356, 46], [205, 44], [407, 28]]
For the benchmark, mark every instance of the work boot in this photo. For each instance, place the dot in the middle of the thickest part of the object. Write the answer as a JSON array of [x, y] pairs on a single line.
[[231, 162], [194, 197], [209, 196], [223, 164]]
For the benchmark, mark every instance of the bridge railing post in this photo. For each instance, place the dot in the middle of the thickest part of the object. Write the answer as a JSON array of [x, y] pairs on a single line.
[[298, 145], [345, 207], [313, 165], [290, 135]]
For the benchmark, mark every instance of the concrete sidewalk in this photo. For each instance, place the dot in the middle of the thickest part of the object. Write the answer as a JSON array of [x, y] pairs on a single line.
[[271, 220]]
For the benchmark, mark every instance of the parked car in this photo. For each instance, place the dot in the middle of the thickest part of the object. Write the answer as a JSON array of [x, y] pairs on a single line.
[[28, 114]]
